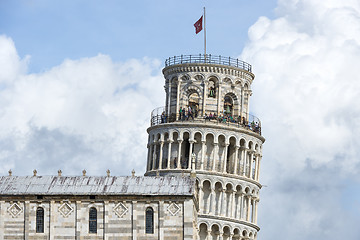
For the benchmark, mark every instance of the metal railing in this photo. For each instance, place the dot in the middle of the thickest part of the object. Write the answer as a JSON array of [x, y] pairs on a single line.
[[208, 58], [247, 121]]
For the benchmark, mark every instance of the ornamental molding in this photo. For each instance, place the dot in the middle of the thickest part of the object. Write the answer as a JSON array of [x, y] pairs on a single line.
[[120, 210], [65, 209], [15, 209], [173, 209]]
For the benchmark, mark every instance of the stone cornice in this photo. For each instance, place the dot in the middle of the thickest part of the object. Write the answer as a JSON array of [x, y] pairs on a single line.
[[248, 224], [200, 124], [210, 68]]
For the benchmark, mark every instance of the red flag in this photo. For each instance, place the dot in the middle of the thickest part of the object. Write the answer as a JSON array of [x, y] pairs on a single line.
[[198, 25]]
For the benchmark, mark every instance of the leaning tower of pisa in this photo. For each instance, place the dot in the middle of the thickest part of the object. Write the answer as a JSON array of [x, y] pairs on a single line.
[[206, 130]]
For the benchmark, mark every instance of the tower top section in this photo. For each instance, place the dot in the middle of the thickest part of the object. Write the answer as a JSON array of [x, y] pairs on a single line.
[[208, 59]]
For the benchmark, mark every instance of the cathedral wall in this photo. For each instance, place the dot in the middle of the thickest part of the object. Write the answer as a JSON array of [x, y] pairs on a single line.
[[174, 218]]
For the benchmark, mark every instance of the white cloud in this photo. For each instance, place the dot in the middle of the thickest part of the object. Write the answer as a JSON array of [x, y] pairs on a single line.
[[306, 91], [89, 113]]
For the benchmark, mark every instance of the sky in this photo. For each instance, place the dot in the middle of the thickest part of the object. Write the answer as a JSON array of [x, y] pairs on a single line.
[[79, 79]]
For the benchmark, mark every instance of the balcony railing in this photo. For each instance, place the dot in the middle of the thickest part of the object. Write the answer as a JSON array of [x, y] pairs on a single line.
[[210, 59], [247, 121]]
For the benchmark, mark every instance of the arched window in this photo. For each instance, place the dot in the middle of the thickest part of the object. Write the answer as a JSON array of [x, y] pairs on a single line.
[[228, 105], [93, 220], [39, 220], [149, 220]]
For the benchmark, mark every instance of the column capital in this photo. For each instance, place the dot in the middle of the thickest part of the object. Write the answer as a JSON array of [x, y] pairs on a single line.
[[203, 141], [237, 147], [170, 141], [191, 141]]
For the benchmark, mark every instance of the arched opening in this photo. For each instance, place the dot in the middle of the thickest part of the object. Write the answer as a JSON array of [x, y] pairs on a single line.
[[218, 193], [206, 197], [215, 232], [174, 151], [198, 150], [238, 204], [228, 105], [92, 220], [209, 159], [226, 235], [231, 156], [164, 159], [173, 99], [242, 157], [244, 233], [157, 151], [202, 231], [193, 104], [220, 157], [236, 235], [185, 151], [149, 220], [39, 220], [228, 200], [212, 89]]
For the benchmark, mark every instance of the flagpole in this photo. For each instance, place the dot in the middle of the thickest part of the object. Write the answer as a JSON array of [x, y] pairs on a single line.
[[204, 35]]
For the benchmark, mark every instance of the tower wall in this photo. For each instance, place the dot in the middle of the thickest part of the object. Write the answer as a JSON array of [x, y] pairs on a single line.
[[205, 130]]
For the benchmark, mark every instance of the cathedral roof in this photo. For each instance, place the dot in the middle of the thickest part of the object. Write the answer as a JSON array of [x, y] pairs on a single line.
[[95, 185]]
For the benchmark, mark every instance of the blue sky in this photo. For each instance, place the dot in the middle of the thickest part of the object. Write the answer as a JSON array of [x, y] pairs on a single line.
[[79, 80], [51, 31]]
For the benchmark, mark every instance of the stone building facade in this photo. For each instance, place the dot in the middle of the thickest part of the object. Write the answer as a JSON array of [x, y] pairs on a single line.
[[202, 171], [125, 208]]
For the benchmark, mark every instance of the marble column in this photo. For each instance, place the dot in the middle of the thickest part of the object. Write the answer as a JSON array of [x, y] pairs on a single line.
[[251, 162], [248, 208], [221, 235], [213, 198], [178, 99], [216, 149], [241, 206], [244, 154], [223, 202], [256, 165], [219, 99], [169, 154], [236, 159], [161, 154], [242, 102], [202, 154], [258, 168], [232, 210], [204, 99], [201, 202], [154, 157], [169, 100], [225, 158], [256, 210], [178, 166], [208, 237], [149, 157], [190, 152], [253, 210]]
